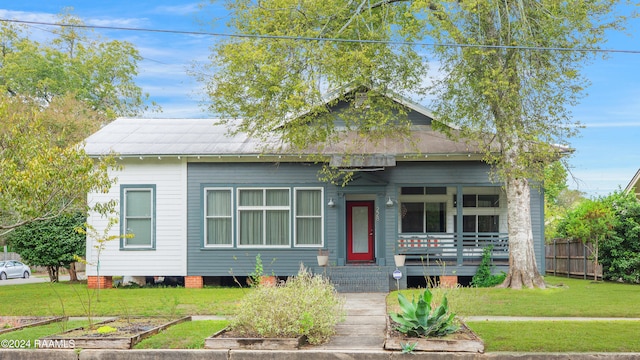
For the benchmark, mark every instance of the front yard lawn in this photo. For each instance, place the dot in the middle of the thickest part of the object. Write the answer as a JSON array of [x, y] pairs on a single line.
[[564, 298], [70, 299]]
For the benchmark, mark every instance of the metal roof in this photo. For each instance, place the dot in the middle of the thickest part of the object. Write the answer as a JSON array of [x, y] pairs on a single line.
[[202, 137], [138, 137]]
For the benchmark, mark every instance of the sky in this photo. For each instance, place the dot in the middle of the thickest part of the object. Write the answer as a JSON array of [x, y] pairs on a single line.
[[607, 151]]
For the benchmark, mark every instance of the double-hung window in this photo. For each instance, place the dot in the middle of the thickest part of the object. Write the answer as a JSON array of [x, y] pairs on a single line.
[[138, 216], [218, 225], [308, 222], [264, 217]]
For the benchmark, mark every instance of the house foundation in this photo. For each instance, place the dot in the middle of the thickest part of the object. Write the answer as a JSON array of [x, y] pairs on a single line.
[[102, 282], [193, 282], [448, 281]]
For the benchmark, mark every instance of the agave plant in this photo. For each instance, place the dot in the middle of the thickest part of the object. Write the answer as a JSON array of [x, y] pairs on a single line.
[[418, 320]]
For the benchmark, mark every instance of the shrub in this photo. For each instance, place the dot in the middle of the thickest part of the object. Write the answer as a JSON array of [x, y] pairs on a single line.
[[51, 243], [483, 276], [305, 305], [417, 319], [620, 253]]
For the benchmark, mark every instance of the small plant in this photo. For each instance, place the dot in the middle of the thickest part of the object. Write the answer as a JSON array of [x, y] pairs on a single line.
[[305, 305], [416, 319], [483, 276], [256, 276], [408, 348], [106, 330]]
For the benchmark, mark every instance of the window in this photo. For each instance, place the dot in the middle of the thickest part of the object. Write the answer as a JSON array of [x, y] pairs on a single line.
[[428, 190], [309, 231], [422, 217], [218, 225], [263, 217], [479, 223], [481, 201], [138, 216]]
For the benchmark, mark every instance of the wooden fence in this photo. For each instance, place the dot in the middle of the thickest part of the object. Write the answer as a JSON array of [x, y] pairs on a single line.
[[571, 259]]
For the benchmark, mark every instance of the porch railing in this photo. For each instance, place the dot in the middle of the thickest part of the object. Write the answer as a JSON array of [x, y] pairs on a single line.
[[452, 248]]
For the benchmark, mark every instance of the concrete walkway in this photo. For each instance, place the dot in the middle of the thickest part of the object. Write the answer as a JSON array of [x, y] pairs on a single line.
[[364, 326]]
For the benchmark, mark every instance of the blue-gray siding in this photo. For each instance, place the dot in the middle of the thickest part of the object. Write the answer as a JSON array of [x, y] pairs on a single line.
[[378, 185]]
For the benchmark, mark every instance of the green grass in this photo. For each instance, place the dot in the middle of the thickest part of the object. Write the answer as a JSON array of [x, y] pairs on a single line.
[[563, 297], [28, 336], [186, 335], [47, 299], [559, 336]]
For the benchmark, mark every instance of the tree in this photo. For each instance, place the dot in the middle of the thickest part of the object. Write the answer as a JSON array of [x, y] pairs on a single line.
[[502, 85], [52, 243], [40, 180], [263, 82], [558, 198], [591, 221], [53, 96], [98, 73]]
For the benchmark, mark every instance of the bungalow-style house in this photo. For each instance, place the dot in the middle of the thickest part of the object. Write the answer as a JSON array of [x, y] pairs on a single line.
[[203, 205]]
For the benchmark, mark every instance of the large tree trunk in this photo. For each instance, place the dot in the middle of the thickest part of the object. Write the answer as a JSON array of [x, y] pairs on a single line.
[[53, 273], [73, 274], [523, 270]]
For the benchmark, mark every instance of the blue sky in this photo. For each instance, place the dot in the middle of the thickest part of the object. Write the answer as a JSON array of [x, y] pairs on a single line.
[[607, 153]]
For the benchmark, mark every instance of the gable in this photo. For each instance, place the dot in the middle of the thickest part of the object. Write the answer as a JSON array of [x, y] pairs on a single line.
[[418, 116]]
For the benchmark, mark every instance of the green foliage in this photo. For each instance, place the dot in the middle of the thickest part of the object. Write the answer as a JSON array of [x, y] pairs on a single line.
[[417, 318], [483, 276], [98, 73], [407, 348], [256, 276], [620, 252], [305, 305], [52, 243], [558, 198], [263, 81], [590, 221], [41, 174]]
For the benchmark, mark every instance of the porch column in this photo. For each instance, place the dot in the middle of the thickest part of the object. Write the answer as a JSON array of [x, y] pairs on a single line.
[[193, 282]]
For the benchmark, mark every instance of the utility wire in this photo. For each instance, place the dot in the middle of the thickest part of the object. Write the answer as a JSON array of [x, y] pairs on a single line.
[[306, 38]]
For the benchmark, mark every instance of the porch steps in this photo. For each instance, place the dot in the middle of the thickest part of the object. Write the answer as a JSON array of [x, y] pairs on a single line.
[[360, 278]]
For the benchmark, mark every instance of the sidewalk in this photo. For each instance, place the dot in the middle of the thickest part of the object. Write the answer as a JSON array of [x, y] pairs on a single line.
[[364, 326]]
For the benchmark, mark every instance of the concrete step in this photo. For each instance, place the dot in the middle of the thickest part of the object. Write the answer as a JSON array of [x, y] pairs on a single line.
[[360, 278]]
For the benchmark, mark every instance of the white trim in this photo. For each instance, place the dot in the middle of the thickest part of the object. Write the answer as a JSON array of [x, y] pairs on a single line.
[[205, 217], [295, 218], [151, 217], [264, 208]]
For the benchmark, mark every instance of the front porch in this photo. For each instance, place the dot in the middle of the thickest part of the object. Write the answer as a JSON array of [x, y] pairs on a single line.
[[446, 254]]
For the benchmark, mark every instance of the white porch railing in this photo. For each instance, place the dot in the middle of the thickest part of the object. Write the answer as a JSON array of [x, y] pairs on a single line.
[[465, 248]]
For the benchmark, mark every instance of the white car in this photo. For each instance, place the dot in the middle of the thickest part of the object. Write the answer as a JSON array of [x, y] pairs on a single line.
[[13, 269]]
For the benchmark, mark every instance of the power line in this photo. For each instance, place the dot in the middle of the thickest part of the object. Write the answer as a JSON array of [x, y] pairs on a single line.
[[306, 38]]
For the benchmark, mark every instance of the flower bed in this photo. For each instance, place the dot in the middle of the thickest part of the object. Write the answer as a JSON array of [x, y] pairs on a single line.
[[13, 323], [119, 333]]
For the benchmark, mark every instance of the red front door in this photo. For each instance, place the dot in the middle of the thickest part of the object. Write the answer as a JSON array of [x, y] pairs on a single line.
[[360, 231]]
